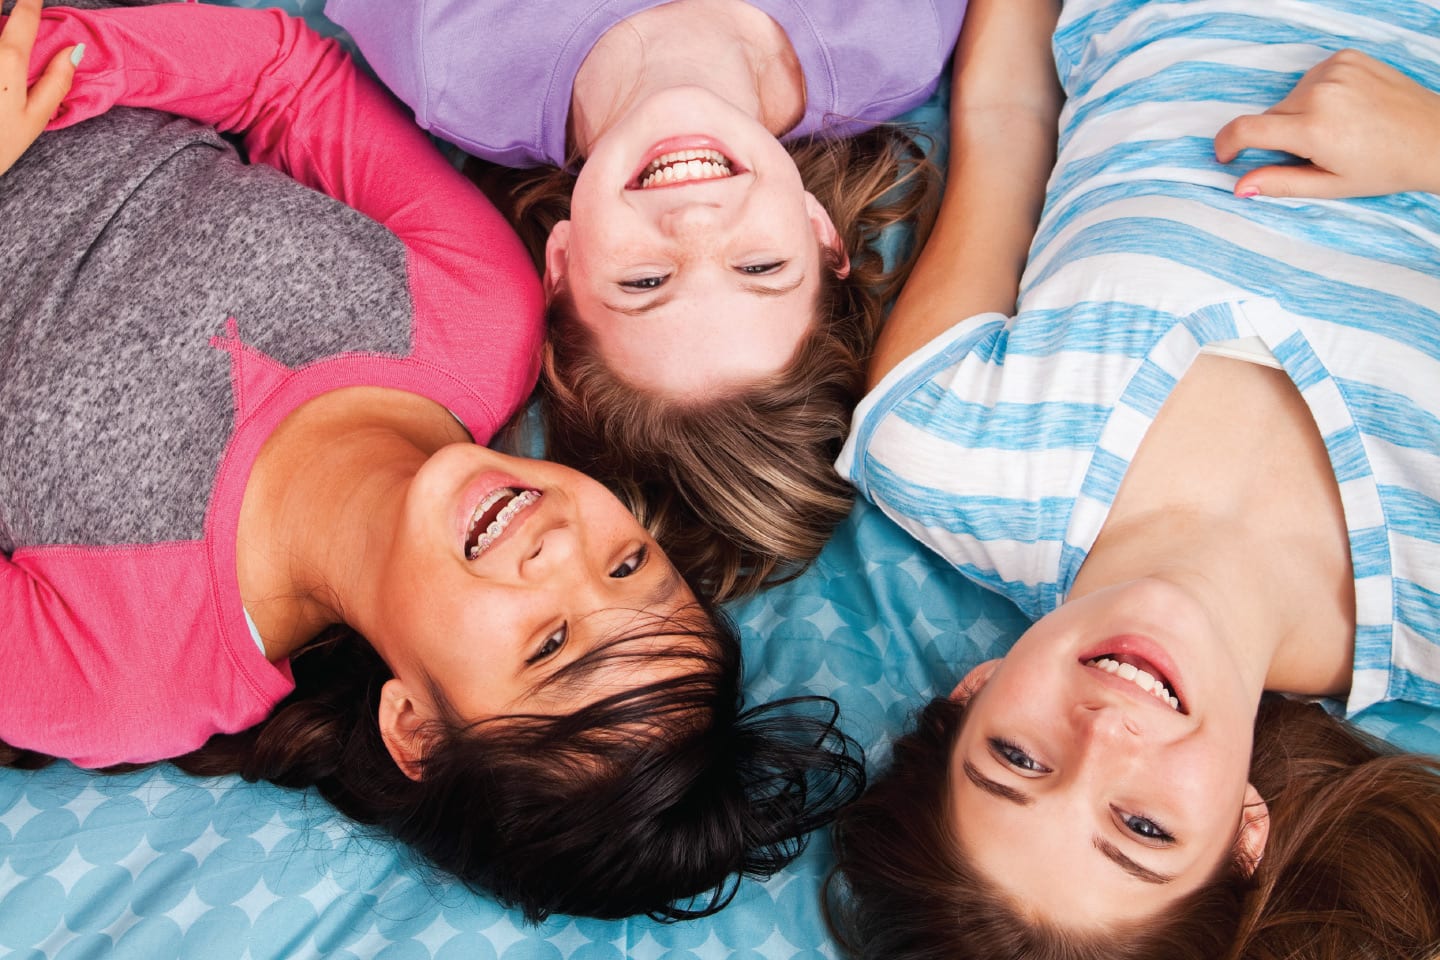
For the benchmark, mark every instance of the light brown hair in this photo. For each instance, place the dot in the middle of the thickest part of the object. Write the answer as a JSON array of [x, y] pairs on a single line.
[[739, 488], [1351, 868]]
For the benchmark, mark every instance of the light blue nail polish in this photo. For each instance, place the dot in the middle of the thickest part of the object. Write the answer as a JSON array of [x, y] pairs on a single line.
[[77, 54]]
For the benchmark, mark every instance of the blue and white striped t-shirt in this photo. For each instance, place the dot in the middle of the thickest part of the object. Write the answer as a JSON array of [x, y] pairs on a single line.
[[1002, 443]]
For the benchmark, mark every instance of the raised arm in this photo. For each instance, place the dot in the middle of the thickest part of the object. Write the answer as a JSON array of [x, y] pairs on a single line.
[[1003, 114], [25, 109], [1365, 128], [301, 105]]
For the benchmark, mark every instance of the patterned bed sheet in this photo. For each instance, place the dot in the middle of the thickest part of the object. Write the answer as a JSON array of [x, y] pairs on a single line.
[[155, 864]]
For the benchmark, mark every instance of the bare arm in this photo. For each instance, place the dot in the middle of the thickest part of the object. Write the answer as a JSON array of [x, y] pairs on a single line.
[[1003, 112], [1366, 129]]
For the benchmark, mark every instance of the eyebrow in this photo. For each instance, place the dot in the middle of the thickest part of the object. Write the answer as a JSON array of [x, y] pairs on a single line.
[[1125, 863], [759, 289], [996, 789]]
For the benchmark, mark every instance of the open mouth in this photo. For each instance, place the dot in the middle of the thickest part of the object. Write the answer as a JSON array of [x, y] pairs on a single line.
[[683, 165], [493, 515], [1142, 673]]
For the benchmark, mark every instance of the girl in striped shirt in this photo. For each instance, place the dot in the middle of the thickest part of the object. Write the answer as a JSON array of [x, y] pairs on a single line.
[[1204, 456]]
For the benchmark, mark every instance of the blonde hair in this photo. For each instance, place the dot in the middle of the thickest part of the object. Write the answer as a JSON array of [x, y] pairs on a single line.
[[739, 488]]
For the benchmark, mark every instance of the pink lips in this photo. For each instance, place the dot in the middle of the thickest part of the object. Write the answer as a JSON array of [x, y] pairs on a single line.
[[674, 144], [1148, 655]]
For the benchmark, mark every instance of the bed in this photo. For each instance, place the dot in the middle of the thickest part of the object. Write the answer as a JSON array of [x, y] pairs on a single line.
[[156, 864]]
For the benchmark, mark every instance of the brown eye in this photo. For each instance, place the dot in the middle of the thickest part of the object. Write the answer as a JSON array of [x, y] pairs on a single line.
[[632, 563], [550, 645]]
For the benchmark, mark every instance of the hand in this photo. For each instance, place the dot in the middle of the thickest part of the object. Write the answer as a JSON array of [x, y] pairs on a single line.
[[24, 110], [1365, 128]]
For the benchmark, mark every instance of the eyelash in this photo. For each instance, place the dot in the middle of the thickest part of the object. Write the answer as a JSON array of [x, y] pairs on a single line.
[[761, 269], [1014, 756], [1158, 835], [551, 645], [645, 283], [635, 561]]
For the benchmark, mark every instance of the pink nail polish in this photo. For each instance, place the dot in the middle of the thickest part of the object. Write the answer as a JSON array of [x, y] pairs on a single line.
[[1248, 192]]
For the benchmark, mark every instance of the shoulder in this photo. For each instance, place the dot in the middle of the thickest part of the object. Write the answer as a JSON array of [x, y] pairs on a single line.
[[866, 62]]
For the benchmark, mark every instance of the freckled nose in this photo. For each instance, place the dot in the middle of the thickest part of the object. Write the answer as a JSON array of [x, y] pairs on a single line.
[[692, 218]]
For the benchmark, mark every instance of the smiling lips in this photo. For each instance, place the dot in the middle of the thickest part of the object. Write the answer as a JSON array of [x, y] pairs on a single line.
[[493, 514], [1135, 670], [685, 165]]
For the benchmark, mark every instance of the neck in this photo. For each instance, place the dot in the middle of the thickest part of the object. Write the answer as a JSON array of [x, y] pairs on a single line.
[[724, 47], [322, 496], [1231, 496]]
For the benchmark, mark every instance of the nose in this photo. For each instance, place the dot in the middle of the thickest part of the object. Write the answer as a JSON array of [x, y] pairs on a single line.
[[557, 550], [691, 220], [1108, 724]]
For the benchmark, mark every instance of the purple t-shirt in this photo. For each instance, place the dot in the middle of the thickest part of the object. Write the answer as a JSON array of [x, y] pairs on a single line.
[[494, 76]]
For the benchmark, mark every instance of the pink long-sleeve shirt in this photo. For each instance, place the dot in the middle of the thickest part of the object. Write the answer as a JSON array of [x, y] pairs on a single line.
[[167, 305]]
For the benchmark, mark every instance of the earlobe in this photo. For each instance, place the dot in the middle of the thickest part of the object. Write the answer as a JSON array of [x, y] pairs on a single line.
[[973, 681], [557, 258], [837, 257], [1254, 830], [401, 727]]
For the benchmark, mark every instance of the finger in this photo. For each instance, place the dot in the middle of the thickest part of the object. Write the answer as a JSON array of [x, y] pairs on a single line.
[[49, 91], [22, 27], [1306, 180], [1263, 131]]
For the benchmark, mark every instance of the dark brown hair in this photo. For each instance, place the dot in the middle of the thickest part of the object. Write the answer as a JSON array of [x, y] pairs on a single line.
[[1351, 869], [655, 799], [739, 488]]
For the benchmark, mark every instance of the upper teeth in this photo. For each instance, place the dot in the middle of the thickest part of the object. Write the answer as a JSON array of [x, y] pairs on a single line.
[[685, 165], [1141, 679], [502, 519]]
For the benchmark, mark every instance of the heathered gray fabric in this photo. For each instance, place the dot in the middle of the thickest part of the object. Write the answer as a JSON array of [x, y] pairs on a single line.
[[126, 242]]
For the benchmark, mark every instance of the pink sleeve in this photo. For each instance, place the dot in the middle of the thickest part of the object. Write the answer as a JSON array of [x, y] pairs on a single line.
[[303, 106], [127, 667]]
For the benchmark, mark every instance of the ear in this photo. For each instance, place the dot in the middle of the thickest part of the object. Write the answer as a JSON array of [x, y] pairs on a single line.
[[401, 727], [1254, 830], [828, 236], [557, 257], [973, 681]]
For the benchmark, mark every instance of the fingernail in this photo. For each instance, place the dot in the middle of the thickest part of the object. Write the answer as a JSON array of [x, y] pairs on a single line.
[[77, 54], [1248, 192]]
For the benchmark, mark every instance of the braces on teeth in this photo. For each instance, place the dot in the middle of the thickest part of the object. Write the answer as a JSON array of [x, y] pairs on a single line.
[[685, 165], [502, 519], [1128, 671]]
